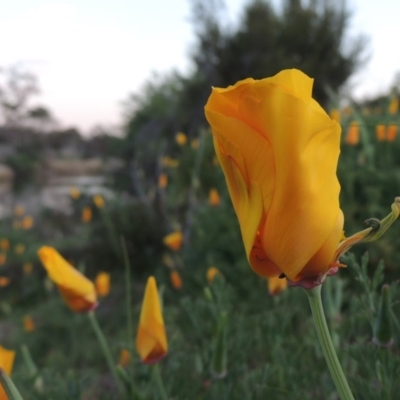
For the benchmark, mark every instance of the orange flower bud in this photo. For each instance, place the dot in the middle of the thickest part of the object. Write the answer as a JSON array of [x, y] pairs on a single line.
[[391, 133], [176, 280], [380, 132], [213, 198], [353, 134], [174, 240], [102, 283]]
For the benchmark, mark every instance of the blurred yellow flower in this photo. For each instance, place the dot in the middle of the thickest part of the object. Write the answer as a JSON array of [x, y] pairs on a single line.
[[176, 280], [6, 364], [169, 162], [4, 244], [163, 181], [391, 133], [19, 249], [181, 138], [29, 324], [380, 132], [151, 340], [102, 283], [27, 222], [86, 214], [353, 134], [124, 358], [213, 197], [4, 281], [335, 115], [19, 210], [3, 258], [276, 285], [195, 143], [289, 212], [174, 240], [78, 292], [212, 272], [98, 200], [74, 193], [27, 268], [394, 105]]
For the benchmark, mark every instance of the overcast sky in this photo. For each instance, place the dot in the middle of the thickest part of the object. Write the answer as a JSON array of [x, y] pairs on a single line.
[[89, 55]]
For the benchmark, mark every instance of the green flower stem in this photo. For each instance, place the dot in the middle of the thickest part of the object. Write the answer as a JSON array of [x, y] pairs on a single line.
[[9, 387], [106, 350], [159, 383], [314, 297]]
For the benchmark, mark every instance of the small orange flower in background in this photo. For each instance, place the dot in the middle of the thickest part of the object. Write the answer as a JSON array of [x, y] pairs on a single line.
[[391, 133], [3, 258], [176, 279], [27, 268], [212, 272], [4, 244], [151, 340], [4, 281], [98, 200], [394, 105], [86, 214], [174, 240], [102, 283], [6, 364], [353, 134], [19, 210], [19, 249], [29, 324], [124, 358], [335, 115], [195, 143], [181, 138], [78, 292], [213, 198], [163, 181], [276, 285], [27, 222], [380, 132], [75, 193]]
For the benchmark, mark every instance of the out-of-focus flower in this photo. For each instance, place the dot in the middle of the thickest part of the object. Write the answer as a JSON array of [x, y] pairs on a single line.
[[102, 283], [77, 291], [380, 132], [86, 214], [27, 268], [27, 222], [394, 105], [163, 181], [212, 272], [176, 279], [168, 261], [4, 281], [6, 364], [181, 138], [174, 240], [4, 244], [19, 249], [98, 200], [124, 358], [151, 340], [335, 115], [289, 212], [195, 143], [353, 134], [19, 210], [169, 162], [213, 197], [29, 324], [347, 111], [391, 133], [3, 258], [276, 285], [75, 193]]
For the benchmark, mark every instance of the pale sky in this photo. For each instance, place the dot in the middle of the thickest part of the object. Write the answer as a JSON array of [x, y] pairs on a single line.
[[89, 55]]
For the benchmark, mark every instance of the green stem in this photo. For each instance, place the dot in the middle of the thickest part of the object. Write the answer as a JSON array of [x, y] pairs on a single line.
[[159, 383], [106, 350], [9, 387], [314, 297]]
